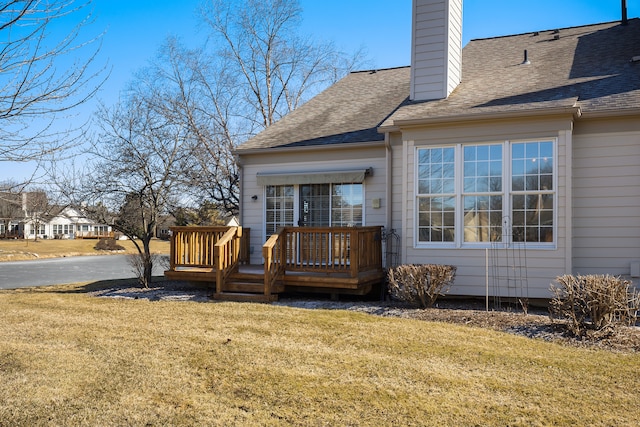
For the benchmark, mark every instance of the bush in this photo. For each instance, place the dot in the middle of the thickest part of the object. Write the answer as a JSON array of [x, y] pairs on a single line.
[[108, 245], [420, 284], [599, 303]]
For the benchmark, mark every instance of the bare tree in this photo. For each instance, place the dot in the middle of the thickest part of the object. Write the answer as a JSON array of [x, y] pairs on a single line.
[[277, 68], [35, 85], [140, 156], [255, 69], [10, 208], [37, 209]]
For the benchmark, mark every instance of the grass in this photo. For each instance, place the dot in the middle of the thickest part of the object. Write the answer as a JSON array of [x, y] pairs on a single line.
[[67, 358], [18, 250]]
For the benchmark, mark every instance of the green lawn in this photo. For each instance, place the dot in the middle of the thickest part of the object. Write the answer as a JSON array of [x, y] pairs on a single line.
[[69, 359]]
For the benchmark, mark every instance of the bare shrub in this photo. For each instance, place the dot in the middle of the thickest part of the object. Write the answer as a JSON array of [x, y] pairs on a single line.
[[142, 266], [420, 284], [108, 245], [598, 303]]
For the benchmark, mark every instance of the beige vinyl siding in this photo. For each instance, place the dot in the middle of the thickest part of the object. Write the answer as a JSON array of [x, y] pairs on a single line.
[[542, 265], [306, 160], [436, 57], [606, 202]]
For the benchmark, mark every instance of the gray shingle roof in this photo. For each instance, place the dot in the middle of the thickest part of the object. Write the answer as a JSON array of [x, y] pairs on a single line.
[[588, 67], [349, 111]]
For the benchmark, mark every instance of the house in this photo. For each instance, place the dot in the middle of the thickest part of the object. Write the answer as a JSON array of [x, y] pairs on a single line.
[[69, 223], [29, 215], [516, 159]]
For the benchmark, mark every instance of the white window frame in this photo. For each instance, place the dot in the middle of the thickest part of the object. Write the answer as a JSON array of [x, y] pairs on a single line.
[[507, 194]]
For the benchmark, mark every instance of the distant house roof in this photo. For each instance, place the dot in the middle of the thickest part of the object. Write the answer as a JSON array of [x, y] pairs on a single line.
[[589, 67]]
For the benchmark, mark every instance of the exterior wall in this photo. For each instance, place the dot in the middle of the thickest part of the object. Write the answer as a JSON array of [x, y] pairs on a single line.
[[325, 159], [539, 267], [606, 197], [436, 54]]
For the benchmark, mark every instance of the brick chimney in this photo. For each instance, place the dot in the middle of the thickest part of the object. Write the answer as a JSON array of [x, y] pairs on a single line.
[[436, 48]]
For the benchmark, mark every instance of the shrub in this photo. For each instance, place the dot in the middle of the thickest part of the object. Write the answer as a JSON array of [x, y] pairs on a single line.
[[108, 245], [420, 284], [600, 303]]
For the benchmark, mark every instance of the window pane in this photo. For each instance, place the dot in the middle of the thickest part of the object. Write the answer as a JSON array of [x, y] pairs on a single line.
[[436, 170], [278, 207], [346, 205], [436, 219], [482, 218], [532, 214]]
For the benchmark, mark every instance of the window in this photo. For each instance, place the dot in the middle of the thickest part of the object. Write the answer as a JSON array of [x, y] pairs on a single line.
[[532, 192], [482, 193], [346, 205], [436, 186], [279, 207], [62, 229], [471, 194], [313, 205]]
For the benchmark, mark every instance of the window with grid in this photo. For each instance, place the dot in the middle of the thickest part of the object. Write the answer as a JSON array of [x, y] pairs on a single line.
[[346, 205], [279, 207], [482, 193], [532, 191], [436, 194], [467, 193]]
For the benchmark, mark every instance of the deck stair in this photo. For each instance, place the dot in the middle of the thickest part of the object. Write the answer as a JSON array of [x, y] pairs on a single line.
[[243, 286]]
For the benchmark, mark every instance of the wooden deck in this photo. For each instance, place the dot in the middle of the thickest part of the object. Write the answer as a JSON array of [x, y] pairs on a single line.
[[336, 260], [94, 235]]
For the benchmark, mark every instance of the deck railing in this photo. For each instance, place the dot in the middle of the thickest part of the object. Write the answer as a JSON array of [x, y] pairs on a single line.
[[273, 266], [226, 253], [194, 246], [347, 250], [94, 235]]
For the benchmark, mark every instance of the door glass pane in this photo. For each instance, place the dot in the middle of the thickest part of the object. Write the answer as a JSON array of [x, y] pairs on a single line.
[[314, 205], [346, 205]]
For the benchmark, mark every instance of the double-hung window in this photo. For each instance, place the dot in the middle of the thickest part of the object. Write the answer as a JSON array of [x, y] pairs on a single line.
[[475, 194]]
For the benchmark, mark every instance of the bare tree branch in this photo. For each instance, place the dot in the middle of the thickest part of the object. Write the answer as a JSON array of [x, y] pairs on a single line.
[[35, 87]]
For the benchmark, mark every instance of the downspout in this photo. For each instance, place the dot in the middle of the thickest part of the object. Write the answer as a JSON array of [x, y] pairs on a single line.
[[388, 196]]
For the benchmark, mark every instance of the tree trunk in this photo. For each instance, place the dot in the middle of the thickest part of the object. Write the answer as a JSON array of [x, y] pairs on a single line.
[[147, 262]]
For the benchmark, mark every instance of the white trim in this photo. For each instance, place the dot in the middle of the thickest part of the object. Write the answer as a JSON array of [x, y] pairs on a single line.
[[404, 237], [507, 193]]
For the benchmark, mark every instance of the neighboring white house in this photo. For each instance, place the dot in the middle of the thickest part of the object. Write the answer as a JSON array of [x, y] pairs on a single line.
[[515, 159], [66, 223]]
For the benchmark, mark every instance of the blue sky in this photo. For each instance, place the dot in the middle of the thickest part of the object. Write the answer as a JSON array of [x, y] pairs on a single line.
[[136, 28]]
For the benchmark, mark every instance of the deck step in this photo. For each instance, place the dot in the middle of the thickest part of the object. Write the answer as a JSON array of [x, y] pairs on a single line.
[[247, 277], [249, 287], [244, 297], [243, 287]]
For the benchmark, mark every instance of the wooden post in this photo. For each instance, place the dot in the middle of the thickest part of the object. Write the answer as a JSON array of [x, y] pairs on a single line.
[[172, 252], [354, 255]]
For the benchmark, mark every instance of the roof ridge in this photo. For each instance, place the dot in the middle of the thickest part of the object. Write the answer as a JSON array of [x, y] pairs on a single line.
[[375, 70], [551, 30]]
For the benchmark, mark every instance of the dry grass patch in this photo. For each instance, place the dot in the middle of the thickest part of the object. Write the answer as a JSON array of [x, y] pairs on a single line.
[[19, 250], [70, 359]]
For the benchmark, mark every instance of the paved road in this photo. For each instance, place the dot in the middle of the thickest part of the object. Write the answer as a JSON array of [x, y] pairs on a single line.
[[55, 271]]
